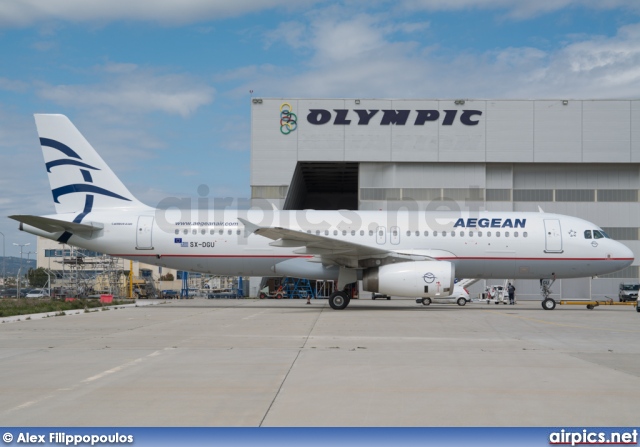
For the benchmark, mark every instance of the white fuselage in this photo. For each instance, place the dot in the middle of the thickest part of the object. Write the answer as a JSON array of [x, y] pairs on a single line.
[[480, 245]]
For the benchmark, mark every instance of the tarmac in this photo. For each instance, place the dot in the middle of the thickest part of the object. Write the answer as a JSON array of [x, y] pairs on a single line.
[[282, 363]]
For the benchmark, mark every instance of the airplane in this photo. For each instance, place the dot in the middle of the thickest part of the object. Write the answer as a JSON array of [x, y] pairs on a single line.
[[404, 253]]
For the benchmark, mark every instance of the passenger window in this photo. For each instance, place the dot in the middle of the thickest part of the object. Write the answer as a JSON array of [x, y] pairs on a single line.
[[497, 234], [361, 232], [408, 233], [335, 232], [417, 233], [470, 233], [317, 232], [479, 233], [353, 232], [238, 232], [177, 231], [462, 234], [326, 232], [194, 231], [435, 233], [185, 231], [444, 233], [515, 234], [426, 233], [229, 232], [220, 231], [380, 233], [587, 234], [203, 231], [211, 232], [453, 233], [370, 233], [344, 232], [506, 234], [524, 234]]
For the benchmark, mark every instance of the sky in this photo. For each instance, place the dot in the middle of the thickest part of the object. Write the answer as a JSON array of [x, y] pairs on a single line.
[[162, 88]]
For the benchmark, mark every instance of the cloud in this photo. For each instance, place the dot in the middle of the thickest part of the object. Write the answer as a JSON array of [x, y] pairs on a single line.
[[291, 33], [127, 87], [168, 12], [365, 56], [521, 9], [12, 85]]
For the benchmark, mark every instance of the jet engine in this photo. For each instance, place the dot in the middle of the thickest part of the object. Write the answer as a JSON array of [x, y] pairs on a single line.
[[412, 279]]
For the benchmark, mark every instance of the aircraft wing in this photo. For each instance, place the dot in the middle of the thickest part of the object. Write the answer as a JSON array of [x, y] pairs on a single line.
[[328, 250], [55, 225]]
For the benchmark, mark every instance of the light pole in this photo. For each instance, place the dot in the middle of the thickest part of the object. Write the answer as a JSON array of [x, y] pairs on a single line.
[[20, 269], [4, 263]]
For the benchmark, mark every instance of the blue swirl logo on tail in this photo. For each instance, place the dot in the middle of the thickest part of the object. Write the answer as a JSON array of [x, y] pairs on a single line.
[[75, 160]]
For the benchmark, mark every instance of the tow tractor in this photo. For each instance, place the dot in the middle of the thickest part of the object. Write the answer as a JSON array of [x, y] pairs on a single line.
[[264, 293], [549, 303], [592, 304]]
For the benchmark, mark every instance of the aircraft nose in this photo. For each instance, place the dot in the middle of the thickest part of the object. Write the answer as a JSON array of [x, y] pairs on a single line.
[[624, 253]]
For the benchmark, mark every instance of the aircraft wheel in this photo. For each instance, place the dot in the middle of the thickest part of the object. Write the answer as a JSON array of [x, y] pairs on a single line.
[[388, 298], [637, 309], [589, 306], [462, 301], [338, 300], [426, 301], [548, 304]]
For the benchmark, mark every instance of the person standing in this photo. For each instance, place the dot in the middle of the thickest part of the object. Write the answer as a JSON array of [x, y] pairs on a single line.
[[512, 293]]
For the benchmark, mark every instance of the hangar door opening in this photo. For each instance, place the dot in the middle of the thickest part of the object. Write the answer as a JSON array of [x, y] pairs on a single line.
[[323, 186]]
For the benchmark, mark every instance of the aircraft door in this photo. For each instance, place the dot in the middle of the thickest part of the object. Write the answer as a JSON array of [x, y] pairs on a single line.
[[394, 237], [381, 235], [143, 233], [553, 236]]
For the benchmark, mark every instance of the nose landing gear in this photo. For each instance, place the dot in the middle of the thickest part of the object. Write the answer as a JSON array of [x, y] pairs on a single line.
[[548, 303]]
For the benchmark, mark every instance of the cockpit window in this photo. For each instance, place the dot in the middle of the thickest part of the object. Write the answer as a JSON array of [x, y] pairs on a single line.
[[597, 234], [605, 234], [587, 234]]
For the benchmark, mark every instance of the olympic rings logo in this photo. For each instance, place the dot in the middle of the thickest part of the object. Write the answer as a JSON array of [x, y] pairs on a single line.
[[288, 119]]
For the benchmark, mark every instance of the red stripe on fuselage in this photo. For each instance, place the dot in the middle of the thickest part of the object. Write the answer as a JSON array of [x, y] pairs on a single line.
[[453, 258]]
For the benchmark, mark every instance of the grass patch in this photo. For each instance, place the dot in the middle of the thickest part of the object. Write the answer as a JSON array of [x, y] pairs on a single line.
[[24, 306]]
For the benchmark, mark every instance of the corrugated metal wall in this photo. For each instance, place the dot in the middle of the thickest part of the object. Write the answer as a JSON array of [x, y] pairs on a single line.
[[580, 158]]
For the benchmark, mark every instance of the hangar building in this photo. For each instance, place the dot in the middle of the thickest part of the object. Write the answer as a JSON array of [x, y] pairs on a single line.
[[575, 157]]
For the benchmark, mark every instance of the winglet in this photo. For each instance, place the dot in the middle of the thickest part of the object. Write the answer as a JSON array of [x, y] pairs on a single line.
[[249, 228]]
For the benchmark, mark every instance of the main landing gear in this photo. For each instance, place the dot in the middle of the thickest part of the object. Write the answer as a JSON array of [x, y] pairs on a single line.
[[339, 300], [548, 303]]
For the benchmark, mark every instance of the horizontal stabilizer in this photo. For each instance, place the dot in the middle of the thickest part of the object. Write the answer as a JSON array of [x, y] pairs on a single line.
[[54, 225]]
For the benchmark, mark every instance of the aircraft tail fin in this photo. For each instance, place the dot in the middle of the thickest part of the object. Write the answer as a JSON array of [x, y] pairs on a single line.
[[80, 179]]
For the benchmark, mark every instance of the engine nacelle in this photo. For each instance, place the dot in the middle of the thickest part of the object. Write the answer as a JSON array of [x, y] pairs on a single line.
[[426, 279]]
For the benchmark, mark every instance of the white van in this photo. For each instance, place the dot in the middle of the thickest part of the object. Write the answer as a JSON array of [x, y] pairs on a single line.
[[460, 296]]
